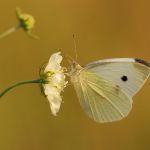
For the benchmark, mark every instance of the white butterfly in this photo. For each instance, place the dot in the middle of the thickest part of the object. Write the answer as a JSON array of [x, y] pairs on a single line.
[[105, 87]]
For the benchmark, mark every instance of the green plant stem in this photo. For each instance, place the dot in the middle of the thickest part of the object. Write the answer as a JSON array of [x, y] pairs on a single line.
[[9, 31], [18, 84]]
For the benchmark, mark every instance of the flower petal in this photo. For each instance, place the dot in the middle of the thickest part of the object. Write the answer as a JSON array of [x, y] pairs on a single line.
[[54, 98], [54, 62], [55, 103]]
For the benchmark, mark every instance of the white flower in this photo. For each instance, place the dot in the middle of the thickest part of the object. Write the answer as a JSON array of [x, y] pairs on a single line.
[[54, 81]]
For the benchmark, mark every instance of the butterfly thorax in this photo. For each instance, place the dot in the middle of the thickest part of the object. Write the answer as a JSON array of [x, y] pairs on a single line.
[[75, 69]]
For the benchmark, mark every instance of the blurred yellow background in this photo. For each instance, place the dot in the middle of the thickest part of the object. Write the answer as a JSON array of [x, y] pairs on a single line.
[[103, 29]]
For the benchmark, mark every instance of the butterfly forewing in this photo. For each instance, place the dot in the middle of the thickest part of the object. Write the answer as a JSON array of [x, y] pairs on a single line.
[[102, 100], [129, 74]]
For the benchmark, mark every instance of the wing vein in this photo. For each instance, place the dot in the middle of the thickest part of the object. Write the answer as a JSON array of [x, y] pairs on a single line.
[[104, 96], [86, 99]]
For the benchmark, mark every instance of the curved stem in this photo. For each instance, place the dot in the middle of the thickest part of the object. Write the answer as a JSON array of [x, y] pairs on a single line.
[[18, 84], [9, 31]]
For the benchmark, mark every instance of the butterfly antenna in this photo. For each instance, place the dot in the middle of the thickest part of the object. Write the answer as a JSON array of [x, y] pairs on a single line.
[[75, 47]]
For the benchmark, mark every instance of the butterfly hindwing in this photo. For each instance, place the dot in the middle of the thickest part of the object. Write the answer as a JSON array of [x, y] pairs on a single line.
[[102, 100]]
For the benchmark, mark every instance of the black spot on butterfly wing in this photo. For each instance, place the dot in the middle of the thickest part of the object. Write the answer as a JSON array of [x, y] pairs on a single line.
[[124, 78], [141, 61]]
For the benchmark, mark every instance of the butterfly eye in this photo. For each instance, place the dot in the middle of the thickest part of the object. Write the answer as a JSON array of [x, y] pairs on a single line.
[[124, 78]]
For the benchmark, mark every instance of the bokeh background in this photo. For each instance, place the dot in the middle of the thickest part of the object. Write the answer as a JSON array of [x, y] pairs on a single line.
[[103, 29]]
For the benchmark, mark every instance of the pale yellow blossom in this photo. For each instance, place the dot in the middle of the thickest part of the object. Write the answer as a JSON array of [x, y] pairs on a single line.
[[53, 77]]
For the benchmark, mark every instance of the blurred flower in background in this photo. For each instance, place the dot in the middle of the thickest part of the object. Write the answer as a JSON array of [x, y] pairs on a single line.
[[26, 22]]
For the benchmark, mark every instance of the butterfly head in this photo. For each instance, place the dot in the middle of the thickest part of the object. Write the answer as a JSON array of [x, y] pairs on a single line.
[[75, 68]]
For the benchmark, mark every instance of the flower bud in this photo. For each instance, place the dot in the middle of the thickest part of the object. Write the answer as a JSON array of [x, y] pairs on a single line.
[[27, 21]]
